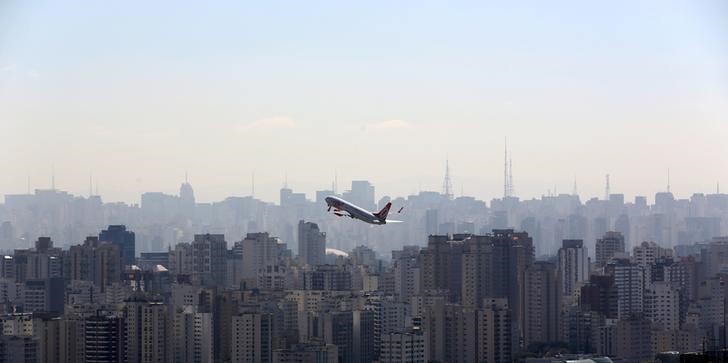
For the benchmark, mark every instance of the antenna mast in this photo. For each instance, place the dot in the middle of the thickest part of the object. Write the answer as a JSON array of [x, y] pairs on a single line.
[[447, 183], [668, 180], [606, 188]]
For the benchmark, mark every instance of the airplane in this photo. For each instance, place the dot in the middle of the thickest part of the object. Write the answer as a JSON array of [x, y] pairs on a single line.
[[343, 208]]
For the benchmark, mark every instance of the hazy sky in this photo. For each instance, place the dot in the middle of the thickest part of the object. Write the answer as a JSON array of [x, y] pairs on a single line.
[[138, 92]]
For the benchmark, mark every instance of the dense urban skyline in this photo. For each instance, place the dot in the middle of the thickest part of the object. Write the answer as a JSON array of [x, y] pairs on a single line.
[[374, 182], [368, 90], [96, 187]]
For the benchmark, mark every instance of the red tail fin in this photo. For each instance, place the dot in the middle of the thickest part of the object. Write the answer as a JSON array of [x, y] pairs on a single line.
[[382, 214]]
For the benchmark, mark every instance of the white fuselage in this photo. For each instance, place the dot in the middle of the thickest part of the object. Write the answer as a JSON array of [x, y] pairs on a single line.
[[353, 210]]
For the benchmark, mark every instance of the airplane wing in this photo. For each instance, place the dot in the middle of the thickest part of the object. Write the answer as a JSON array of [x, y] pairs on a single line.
[[393, 221], [342, 213]]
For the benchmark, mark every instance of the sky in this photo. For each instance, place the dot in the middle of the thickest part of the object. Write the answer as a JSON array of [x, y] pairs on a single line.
[[134, 94]]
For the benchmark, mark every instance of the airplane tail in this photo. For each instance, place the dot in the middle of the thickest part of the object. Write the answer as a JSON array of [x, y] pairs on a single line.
[[382, 214]]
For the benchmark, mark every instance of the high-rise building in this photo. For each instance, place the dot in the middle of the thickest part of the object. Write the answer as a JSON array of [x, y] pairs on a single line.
[[44, 295], [362, 336], [181, 259], [95, 261], [126, 240], [599, 295], [192, 335], [311, 244], [633, 339], [629, 280], [336, 327], [406, 271], [471, 268], [573, 265], [431, 222], [145, 333], [403, 347], [662, 305], [327, 277], [495, 332], [41, 262], [102, 338], [361, 194], [186, 200], [312, 352], [251, 338], [648, 252], [542, 303], [607, 246], [259, 250], [456, 333], [208, 259], [20, 349], [440, 265]]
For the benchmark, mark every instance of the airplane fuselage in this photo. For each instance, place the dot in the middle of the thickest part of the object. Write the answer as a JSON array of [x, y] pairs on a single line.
[[353, 210]]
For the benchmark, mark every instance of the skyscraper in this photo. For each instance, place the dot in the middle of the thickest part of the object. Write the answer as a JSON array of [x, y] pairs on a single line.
[[208, 261], [118, 235], [251, 339], [542, 303], [573, 265], [102, 338], [94, 261], [629, 279], [608, 246], [259, 250], [145, 321], [311, 244]]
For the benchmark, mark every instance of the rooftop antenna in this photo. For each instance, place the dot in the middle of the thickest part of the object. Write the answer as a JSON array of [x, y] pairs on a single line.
[[447, 183], [90, 188], [336, 181], [186, 177], [717, 187], [285, 181], [507, 187], [668, 180], [606, 188]]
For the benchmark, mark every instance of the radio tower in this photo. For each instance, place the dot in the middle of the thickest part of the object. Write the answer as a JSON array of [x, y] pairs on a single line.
[[668, 180], [507, 173], [447, 183]]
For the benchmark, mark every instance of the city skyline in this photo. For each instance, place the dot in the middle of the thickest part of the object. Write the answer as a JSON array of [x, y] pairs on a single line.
[[96, 188], [373, 182], [379, 92]]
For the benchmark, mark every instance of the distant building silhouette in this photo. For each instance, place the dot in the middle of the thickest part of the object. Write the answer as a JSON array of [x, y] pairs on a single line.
[[311, 244], [607, 246], [126, 240]]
